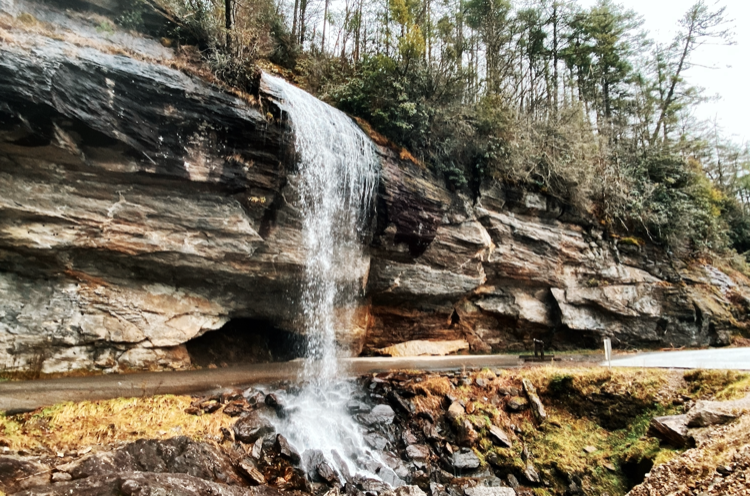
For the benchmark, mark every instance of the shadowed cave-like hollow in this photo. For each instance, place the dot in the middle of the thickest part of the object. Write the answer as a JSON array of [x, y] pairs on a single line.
[[242, 341]]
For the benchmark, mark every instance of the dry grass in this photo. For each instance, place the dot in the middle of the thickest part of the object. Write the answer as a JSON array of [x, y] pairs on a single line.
[[433, 385], [642, 384], [717, 384], [73, 426]]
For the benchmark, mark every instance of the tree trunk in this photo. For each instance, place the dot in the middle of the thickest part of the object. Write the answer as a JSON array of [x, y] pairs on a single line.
[[294, 21], [673, 86], [460, 34], [357, 35], [555, 55], [325, 20], [302, 12], [428, 31], [228, 8]]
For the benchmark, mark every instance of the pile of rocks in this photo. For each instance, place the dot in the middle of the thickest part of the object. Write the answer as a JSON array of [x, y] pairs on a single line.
[[679, 430], [418, 441], [718, 465]]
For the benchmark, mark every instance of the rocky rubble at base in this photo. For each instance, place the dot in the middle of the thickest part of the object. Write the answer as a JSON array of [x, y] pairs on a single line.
[[414, 448], [437, 434], [680, 431], [719, 465]]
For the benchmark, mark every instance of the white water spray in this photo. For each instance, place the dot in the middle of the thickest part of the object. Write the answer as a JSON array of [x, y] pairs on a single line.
[[337, 173]]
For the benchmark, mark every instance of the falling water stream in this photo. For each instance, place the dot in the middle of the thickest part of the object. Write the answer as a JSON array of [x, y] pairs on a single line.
[[337, 172]]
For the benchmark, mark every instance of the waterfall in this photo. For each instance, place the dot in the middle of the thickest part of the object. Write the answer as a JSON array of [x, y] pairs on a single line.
[[337, 172]]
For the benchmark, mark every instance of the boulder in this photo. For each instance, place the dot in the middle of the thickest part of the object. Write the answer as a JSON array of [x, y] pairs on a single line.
[[517, 404], [143, 483], [409, 437], [671, 429], [489, 491], [396, 464], [418, 452], [355, 406], [18, 473], [250, 470], [499, 437], [512, 481], [175, 455], [257, 449], [375, 441], [327, 472], [707, 413], [287, 450], [455, 411], [419, 347], [273, 400], [399, 404], [537, 408], [466, 435], [530, 473], [379, 415], [252, 426], [465, 459], [409, 491]]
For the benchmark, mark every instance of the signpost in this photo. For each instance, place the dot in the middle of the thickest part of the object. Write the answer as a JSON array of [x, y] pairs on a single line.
[[608, 351]]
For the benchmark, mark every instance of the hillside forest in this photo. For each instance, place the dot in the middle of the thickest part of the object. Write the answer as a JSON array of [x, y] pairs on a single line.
[[578, 103]]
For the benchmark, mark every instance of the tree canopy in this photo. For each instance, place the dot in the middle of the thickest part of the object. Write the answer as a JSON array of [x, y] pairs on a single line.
[[576, 102]]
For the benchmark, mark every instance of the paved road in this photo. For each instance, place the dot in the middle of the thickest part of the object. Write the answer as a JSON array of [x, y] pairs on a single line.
[[28, 395], [725, 358], [22, 396]]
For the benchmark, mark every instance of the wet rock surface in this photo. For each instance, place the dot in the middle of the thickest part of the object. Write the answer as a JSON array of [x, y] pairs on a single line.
[[142, 484], [129, 230], [177, 455], [18, 473], [251, 427]]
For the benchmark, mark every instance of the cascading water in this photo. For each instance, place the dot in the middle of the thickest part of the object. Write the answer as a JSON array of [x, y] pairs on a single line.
[[337, 174], [337, 170]]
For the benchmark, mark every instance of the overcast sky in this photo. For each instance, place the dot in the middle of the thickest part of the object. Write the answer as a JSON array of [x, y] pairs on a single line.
[[730, 77]]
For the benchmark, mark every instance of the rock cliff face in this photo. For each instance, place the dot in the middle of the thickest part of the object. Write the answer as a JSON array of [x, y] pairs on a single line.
[[142, 206]]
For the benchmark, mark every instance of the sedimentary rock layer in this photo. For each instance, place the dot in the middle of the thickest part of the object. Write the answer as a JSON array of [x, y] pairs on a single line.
[[142, 206]]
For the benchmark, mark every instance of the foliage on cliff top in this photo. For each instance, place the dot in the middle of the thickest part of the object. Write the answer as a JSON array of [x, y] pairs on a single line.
[[573, 102]]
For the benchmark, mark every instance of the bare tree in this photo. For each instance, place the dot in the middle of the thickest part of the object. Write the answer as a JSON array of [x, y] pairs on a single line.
[[697, 27]]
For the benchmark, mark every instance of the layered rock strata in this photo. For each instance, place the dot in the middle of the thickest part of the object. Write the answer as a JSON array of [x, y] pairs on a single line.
[[142, 205]]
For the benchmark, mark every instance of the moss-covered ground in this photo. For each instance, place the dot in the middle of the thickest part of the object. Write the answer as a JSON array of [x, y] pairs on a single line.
[[596, 431]]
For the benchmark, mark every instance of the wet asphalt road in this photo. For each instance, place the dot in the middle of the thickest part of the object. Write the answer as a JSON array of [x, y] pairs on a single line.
[[723, 359], [20, 396]]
